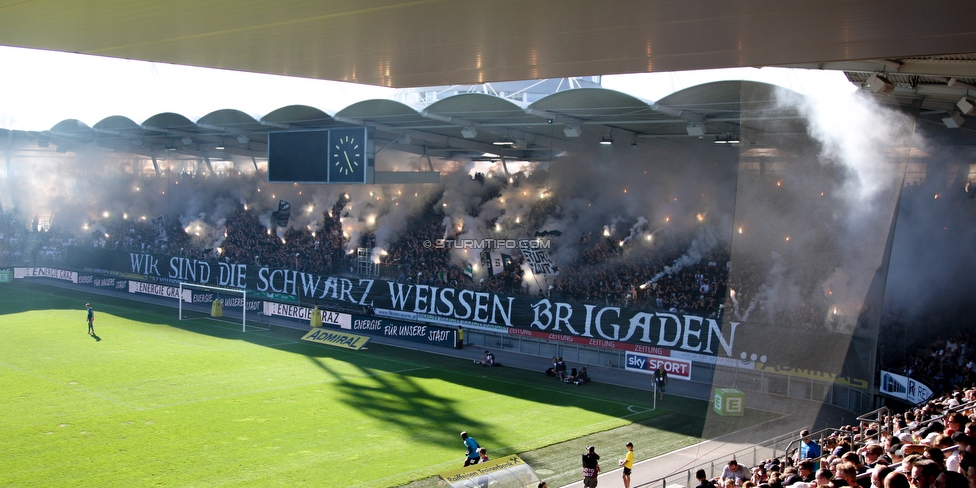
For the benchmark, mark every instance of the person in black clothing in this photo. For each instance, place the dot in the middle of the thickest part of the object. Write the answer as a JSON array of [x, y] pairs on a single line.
[[591, 467], [703, 481], [583, 377], [560, 369], [660, 379]]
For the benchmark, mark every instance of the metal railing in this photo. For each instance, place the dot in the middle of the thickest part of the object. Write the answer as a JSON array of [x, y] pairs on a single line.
[[775, 448], [751, 456]]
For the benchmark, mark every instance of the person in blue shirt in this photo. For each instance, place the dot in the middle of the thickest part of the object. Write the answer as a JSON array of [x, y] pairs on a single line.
[[91, 319], [471, 446], [809, 449]]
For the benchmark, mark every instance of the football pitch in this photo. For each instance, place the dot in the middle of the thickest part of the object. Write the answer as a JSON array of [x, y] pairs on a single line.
[[162, 402]]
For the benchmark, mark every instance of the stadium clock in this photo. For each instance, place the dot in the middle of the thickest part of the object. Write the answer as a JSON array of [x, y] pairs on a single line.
[[347, 155]]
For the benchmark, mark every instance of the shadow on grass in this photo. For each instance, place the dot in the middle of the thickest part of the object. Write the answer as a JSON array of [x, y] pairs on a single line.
[[398, 398]]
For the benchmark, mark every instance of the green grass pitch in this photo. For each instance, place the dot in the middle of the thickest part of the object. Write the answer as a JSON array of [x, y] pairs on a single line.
[[162, 402]]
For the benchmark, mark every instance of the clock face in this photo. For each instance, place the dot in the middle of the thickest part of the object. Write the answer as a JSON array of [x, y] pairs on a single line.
[[347, 156]]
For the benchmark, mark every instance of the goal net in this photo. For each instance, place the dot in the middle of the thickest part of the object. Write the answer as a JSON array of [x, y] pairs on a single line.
[[222, 304]]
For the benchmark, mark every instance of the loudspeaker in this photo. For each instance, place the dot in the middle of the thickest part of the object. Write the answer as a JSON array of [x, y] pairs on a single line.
[[954, 121], [695, 129], [966, 106], [572, 131], [879, 84], [469, 132]]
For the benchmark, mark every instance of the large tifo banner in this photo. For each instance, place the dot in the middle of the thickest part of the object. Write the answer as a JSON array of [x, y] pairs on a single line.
[[653, 334], [435, 305], [905, 388]]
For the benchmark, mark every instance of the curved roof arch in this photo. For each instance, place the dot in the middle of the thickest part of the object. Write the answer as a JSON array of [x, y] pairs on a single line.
[[480, 107], [71, 125], [117, 123], [228, 117], [593, 102], [381, 111], [302, 115], [718, 96], [466, 104], [170, 120]]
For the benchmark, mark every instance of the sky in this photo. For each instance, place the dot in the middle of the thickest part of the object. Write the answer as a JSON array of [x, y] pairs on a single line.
[[46, 87]]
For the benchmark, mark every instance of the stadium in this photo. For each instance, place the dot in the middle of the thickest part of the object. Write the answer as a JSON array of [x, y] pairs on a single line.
[[295, 294]]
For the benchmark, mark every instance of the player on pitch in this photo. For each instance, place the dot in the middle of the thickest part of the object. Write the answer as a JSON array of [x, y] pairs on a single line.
[[91, 319]]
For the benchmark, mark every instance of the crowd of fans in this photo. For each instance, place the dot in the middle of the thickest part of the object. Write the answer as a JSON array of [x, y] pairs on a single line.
[[605, 273], [931, 445]]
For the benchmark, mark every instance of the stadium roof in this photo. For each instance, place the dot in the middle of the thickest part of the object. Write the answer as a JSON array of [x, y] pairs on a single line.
[[405, 43], [916, 57]]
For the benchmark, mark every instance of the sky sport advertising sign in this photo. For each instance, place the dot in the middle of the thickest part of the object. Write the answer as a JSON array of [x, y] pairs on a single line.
[[644, 363]]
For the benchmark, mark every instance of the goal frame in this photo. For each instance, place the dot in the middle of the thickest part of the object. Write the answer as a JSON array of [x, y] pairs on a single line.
[[194, 286]]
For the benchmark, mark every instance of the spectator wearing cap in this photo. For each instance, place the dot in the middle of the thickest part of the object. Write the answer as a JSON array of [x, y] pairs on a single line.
[[896, 453]]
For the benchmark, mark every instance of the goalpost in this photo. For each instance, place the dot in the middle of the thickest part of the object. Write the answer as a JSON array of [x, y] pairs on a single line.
[[204, 299]]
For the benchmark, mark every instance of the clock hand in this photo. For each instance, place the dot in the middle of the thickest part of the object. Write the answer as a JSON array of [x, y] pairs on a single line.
[[344, 153]]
